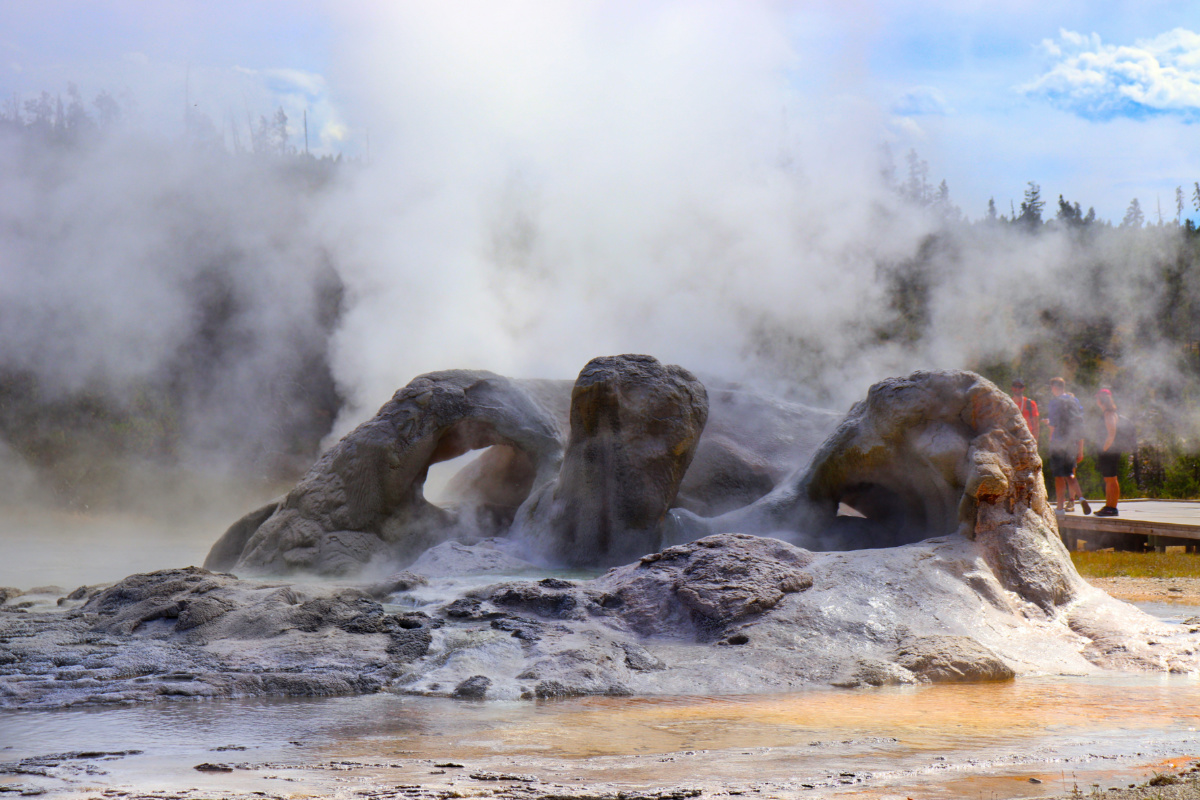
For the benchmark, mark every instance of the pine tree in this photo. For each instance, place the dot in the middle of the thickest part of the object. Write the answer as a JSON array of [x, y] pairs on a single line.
[[1134, 218], [916, 188], [107, 109], [1069, 214], [1178, 205], [279, 132], [1031, 207], [991, 210], [887, 168], [271, 138]]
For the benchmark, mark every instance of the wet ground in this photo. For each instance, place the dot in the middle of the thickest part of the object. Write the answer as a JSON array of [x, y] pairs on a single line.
[[1035, 737], [980, 740]]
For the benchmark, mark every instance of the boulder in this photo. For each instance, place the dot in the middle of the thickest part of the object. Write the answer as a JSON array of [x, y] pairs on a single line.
[[951, 659], [635, 425], [700, 589], [195, 605]]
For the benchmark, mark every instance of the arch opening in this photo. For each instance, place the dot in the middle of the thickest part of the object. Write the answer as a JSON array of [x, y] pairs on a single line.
[[479, 476]]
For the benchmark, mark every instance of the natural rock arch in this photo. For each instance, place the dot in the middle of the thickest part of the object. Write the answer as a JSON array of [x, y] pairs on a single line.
[[363, 499]]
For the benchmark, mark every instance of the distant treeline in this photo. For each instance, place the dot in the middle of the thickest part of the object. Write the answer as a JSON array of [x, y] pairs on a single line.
[[1114, 306], [1031, 214], [51, 119]]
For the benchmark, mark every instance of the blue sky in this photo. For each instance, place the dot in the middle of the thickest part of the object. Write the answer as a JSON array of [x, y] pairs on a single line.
[[1098, 101]]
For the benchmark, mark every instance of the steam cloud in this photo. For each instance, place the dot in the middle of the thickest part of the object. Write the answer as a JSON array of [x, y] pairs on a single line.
[[546, 184]]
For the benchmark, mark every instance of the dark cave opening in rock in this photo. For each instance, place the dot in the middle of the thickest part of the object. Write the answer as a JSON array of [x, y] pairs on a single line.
[[873, 515]]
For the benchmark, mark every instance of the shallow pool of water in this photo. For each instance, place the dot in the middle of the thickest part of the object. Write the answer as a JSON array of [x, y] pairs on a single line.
[[1175, 613], [69, 549], [942, 740]]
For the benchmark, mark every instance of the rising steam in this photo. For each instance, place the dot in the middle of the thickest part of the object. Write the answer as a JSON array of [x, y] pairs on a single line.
[[545, 184]]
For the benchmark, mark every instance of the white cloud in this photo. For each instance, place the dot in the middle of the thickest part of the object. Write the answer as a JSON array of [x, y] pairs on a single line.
[[1098, 81], [908, 128]]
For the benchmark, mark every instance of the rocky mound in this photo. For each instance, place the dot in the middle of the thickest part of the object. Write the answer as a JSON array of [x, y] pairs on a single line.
[[730, 613], [949, 569], [635, 425]]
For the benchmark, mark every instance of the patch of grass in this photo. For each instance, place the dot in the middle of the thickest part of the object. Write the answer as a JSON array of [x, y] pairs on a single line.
[[1106, 564]]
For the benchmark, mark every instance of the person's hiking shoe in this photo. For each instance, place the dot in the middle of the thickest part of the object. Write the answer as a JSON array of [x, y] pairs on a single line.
[[1086, 508], [1107, 511], [1058, 512], [1070, 505]]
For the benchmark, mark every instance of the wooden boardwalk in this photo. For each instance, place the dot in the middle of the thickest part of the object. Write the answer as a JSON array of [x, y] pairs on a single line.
[[1143, 525]]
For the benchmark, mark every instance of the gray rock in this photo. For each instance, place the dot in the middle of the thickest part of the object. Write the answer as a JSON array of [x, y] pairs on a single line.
[[639, 658], [473, 688], [701, 588], [872, 672], [635, 425], [228, 549], [363, 501], [951, 659], [399, 582]]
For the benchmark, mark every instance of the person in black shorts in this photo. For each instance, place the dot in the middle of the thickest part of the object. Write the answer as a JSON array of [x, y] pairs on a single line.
[[1109, 458]]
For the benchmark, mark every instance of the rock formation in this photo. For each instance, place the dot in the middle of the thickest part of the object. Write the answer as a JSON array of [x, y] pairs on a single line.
[[363, 500], [932, 454], [917, 546], [588, 469], [635, 425]]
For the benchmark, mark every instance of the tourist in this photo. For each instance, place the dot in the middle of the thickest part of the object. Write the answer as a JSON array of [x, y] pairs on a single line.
[[1109, 458], [1065, 416], [1029, 409]]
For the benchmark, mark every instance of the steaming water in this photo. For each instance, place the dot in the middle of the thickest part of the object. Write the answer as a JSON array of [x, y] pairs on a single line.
[[45, 547]]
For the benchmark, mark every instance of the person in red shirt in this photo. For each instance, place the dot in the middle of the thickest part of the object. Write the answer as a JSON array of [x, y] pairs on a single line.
[[1029, 409]]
